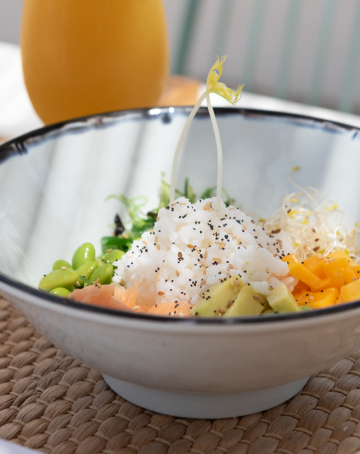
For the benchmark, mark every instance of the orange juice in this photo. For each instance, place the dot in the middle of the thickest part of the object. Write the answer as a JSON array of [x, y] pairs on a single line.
[[82, 57]]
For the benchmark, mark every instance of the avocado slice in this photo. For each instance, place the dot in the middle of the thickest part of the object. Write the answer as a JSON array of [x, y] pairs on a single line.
[[248, 302], [281, 300], [268, 312], [305, 308], [218, 297]]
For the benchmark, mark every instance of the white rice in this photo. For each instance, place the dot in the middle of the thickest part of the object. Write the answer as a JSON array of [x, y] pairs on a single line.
[[191, 249]]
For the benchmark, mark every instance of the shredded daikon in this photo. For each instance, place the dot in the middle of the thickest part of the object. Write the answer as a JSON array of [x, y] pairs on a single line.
[[311, 226]]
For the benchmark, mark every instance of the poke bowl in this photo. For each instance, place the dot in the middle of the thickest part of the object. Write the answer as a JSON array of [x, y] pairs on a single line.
[[55, 184]]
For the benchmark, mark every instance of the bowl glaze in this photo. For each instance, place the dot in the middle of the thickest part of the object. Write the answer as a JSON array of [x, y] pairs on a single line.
[[53, 186]]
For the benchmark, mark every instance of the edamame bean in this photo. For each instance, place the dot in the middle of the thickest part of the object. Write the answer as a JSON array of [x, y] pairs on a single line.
[[112, 256], [58, 278], [104, 273], [83, 254], [87, 269], [60, 291], [59, 263]]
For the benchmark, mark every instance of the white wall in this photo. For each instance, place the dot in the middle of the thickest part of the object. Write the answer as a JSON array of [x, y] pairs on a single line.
[[306, 51], [10, 19]]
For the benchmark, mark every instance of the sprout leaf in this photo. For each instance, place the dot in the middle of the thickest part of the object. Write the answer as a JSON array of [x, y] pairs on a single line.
[[212, 86]]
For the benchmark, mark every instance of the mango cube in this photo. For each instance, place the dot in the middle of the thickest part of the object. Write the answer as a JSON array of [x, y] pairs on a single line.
[[350, 292]]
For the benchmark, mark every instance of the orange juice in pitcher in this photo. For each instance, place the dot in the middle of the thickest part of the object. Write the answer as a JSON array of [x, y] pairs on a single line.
[[82, 57]]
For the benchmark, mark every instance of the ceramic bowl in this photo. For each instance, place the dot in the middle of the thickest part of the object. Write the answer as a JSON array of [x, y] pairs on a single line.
[[53, 186]]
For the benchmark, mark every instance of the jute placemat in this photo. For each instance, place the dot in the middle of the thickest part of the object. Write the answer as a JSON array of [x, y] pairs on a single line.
[[52, 403]]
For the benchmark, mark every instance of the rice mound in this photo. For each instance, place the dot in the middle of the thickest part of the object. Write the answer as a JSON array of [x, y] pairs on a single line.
[[191, 249]]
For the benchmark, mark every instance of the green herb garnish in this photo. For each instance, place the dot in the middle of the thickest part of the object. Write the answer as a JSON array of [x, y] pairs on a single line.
[[142, 222], [85, 281]]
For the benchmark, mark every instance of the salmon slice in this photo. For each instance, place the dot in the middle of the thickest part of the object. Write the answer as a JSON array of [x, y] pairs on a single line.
[[99, 296], [80, 293], [140, 309], [126, 296], [118, 297], [106, 289], [180, 309]]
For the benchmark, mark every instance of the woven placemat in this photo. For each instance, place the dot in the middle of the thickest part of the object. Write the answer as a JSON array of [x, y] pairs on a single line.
[[52, 403]]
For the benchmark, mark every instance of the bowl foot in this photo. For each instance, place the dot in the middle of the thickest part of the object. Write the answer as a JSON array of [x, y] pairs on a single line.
[[205, 406]]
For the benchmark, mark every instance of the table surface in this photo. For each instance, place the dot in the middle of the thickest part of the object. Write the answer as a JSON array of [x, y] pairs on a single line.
[[52, 403]]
